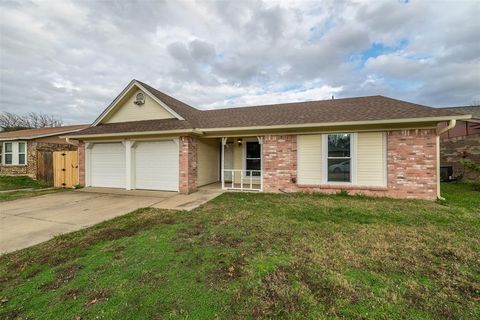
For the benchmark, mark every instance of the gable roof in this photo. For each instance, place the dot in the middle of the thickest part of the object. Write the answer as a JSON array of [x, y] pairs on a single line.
[[149, 91], [348, 111], [29, 134]]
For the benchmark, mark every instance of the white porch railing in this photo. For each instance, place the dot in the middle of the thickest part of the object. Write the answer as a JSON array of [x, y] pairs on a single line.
[[248, 180]]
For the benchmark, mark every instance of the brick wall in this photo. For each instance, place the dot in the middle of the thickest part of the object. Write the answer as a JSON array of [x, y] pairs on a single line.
[[279, 163], [411, 157], [453, 150], [81, 163], [412, 164], [188, 164], [31, 168]]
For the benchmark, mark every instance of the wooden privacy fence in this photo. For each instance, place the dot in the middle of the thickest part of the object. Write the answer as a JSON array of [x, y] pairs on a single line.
[[45, 166], [65, 169]]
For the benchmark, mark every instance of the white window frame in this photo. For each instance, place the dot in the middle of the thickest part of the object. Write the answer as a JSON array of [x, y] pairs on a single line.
[[24, 153], [15, 153], [353, 159]]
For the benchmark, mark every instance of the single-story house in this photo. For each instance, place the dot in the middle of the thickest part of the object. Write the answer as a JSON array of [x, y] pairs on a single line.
[[19, 149], [372, 145], [462, 143]]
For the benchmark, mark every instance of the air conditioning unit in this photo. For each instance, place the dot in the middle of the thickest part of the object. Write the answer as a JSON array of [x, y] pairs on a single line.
[[139, 99]]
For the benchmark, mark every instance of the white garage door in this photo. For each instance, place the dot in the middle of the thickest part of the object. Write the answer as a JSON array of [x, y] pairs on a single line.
[[156, 165], [108, 165]]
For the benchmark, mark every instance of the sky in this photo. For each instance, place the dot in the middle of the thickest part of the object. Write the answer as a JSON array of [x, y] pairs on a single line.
[[72, 58]]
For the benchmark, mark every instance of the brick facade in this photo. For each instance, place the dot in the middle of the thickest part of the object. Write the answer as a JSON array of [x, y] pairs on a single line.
[[188, 165], [412, 164], [30, 169], [81, 163], [279, 163], [453, 150], [411, 161]]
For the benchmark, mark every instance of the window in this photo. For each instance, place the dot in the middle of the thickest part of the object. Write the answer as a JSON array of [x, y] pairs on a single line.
[[14, 153], [253, 158], [339, 159], [21, 153], [8, 153]]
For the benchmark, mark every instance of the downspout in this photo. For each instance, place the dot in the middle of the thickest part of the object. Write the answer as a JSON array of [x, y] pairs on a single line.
[[451, 125], [71, 142]]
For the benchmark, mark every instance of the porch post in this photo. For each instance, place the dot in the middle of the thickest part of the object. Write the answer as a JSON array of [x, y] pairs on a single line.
[[260, 142], [128, 164], [224, 142]]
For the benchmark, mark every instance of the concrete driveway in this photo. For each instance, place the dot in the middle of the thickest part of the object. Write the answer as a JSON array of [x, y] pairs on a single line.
[[26, 222]]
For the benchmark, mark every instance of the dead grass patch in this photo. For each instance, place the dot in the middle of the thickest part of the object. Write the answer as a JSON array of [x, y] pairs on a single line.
[[62, 277], [96, 297]]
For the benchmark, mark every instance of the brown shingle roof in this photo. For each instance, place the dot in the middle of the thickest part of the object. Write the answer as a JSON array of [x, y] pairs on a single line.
[[324, 111], [473, 110], [137, 126], [40, 132], [372, 108]]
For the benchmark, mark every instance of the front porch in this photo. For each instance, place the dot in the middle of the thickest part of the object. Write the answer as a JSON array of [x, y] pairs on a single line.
[[241, 163]]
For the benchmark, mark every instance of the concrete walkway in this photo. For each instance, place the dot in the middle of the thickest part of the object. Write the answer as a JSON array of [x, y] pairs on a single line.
[[26, 222], [167, 200]]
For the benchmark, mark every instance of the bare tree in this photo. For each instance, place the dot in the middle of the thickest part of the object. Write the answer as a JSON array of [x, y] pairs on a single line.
[[475, 103], [10, 121]]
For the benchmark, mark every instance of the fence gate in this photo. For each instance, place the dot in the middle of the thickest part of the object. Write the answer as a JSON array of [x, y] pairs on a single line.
[[45, 166], [65, 168]]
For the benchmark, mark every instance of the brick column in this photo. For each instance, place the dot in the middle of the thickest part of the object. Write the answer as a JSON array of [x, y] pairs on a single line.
[[412, 164], [81, 163], [279, 163], [188, 165]]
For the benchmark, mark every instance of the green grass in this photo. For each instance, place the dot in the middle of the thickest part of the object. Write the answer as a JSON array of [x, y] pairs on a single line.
[[19, 194], [244, 255], [19, 182]]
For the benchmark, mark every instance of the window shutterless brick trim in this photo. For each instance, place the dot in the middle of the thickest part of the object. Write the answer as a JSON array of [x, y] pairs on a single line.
[[411, 166]]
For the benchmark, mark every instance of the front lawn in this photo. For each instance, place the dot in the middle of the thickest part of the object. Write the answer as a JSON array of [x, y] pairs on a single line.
[[19, 182], [247, 255]]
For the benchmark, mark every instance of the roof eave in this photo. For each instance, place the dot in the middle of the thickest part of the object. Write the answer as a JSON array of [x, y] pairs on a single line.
[[39, 136], [135, 133]]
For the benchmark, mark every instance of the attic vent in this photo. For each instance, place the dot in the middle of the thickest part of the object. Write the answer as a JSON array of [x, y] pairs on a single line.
[[139, 99]]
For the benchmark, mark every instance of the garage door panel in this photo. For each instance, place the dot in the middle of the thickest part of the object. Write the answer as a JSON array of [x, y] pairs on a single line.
[[108, 165], [156, 165]]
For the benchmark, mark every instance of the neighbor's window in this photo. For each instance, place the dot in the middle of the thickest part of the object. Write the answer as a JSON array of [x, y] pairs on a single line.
[[8, 153], [339, 157], [21, 153], [14, 153], [1, 153], [253, 158]]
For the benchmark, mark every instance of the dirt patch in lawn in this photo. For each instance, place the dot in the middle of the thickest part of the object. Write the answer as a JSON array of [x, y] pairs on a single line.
[[96, 297], [62, 277]]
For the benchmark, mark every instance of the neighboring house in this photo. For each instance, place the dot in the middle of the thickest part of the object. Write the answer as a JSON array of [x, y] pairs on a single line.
[[18, 149], [374, 145], [461, 143]]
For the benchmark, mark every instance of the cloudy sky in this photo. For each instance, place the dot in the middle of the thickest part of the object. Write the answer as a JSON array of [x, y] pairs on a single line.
[[71, 59]]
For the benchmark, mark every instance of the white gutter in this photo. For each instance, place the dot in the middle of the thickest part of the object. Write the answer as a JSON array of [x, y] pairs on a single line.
[[136, 133], [345, 123], [451, 125]]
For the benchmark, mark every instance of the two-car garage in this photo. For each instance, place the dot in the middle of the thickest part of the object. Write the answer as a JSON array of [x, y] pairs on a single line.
[[152, 165]]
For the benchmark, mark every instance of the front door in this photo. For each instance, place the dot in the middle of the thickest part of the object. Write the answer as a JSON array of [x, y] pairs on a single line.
[[253, 159]]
